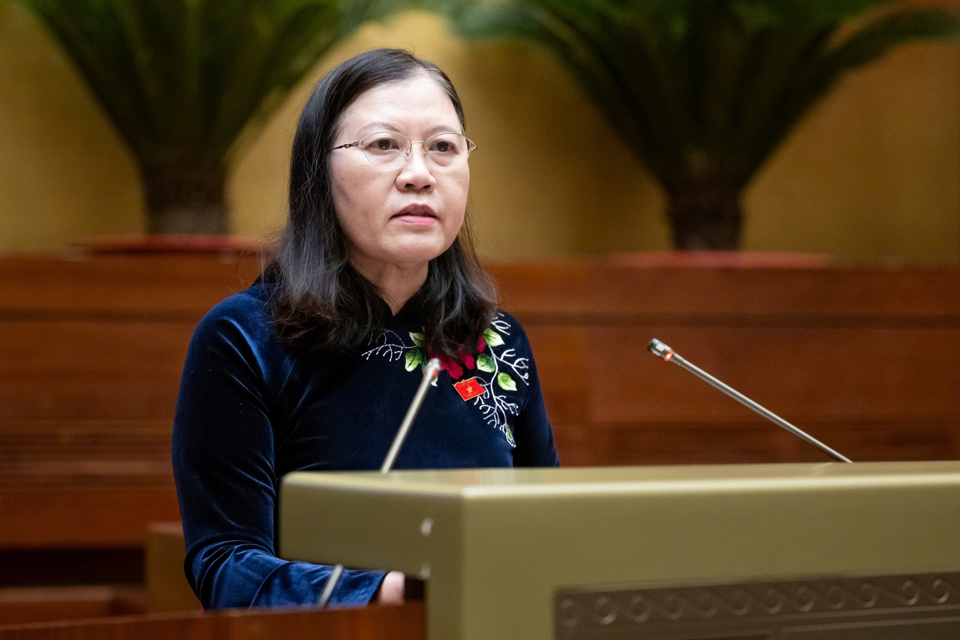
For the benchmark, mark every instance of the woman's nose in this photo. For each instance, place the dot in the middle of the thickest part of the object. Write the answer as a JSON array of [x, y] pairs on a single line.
[[416, 172]]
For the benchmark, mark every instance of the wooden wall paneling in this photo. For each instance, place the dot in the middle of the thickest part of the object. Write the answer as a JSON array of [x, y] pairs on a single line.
[[867, 359], [91, 483], [751, 441], [91, 369], [63, 450], [37, 605], [91, 350], [40, 567], [881, 441], [561, 353], [144, 284], [831, 349], [807, 373], [629, 444], [74, 515], [678, 287]]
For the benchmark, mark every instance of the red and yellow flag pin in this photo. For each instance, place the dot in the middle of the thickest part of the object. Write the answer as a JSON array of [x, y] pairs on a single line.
[[469, 388]]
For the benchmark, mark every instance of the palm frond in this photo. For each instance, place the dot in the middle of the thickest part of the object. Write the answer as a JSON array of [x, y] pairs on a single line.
[[823, 69], [705, 90], [185, 77], [97, 45]]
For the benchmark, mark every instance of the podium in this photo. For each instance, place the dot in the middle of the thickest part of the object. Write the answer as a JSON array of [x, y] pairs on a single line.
[[821, 551]]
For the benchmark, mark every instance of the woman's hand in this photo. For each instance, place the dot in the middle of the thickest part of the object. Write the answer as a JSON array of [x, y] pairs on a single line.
[[391, 591]]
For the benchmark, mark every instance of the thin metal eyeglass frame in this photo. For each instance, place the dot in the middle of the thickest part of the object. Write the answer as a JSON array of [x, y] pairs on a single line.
[[471, 146]]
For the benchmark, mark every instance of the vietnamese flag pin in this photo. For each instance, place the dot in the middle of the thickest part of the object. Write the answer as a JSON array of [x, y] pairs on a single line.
[[469, 388]]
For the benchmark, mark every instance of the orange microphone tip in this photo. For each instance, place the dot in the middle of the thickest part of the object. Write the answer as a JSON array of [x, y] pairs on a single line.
[[660, 350]]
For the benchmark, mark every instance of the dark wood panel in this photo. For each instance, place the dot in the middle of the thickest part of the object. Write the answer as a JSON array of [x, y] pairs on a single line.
[[644, 444], [91, 369], [803, 373], [40, 452], [644, 284], [53, 567], [35, 605], [84, 514], [881, 442], [131, 284], [752, 441], [725, 287], [561, 354], [402, 622]]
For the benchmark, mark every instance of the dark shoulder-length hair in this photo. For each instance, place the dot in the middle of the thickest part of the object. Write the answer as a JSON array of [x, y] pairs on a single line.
[[320, 301]]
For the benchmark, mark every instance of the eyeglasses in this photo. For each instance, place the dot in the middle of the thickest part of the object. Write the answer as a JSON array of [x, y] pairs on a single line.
[[389, 149]]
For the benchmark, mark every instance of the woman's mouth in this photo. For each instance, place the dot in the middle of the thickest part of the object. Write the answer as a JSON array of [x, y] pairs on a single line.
[[416, 214]]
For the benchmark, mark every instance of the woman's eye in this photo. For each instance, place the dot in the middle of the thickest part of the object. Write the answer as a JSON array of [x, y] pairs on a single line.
[[381, 144], [444, 146]]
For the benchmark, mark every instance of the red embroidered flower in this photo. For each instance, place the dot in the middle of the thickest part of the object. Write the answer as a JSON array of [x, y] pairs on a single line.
[[448, 364], [454, 367]]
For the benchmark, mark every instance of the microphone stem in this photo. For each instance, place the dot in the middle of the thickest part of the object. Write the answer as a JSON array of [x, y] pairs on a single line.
[[747, 402], [430, 373]]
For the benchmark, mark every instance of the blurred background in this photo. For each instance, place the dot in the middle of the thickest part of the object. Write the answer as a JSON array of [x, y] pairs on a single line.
[[813, 146], [871, 172]]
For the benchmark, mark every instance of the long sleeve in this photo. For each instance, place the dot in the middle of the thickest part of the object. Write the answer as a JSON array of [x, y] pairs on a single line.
[[225, 471]]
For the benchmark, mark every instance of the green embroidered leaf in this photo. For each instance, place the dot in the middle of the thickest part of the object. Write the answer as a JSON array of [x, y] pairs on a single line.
[[417, 338], [413, 359], [492, 338], [506, 382], [485, 363], [509, 433]]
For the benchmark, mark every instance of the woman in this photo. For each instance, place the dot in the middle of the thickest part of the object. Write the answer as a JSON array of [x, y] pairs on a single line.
[[313, 367]]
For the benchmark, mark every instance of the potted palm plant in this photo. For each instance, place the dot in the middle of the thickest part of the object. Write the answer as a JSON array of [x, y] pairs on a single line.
[[186, 82], [703, 91]]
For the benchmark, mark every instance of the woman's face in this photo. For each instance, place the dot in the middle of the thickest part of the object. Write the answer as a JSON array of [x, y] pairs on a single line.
[[398, 216]]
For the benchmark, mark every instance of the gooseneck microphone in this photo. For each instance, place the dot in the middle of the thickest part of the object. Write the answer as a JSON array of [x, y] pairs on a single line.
[[667, 354], [430, 373]]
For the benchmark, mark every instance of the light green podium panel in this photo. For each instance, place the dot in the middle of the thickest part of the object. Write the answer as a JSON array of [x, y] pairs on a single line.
[[497, 545]]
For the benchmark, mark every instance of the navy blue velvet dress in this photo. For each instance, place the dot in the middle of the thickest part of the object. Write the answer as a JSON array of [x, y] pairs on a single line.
[[251, 410]]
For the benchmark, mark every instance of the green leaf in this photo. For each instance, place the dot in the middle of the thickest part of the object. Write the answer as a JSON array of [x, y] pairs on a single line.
[[189, 83], [492, 338], [413, 359], [506, 382], [704, 91], [485, 363], [418, 338]]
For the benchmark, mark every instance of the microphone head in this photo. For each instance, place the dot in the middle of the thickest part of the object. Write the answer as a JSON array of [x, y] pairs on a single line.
[[433, 368], [660, 350]]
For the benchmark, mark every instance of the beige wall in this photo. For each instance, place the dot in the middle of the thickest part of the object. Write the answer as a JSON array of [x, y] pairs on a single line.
[[873, 173]]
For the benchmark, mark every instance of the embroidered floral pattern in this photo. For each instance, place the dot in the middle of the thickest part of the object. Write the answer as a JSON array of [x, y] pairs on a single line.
[[498, 370]]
